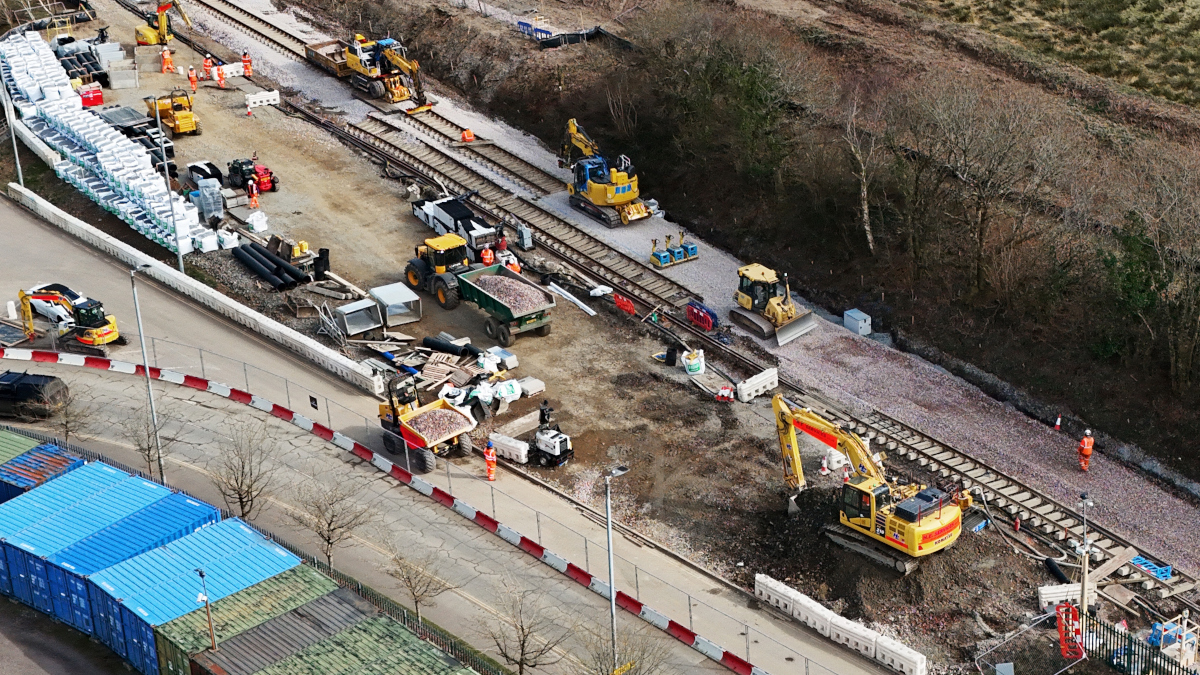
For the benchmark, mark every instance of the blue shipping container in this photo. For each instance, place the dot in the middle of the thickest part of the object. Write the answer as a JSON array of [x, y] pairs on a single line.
[[130, 598], [40, 465], [21, 512], [156, 525], [26, 551]]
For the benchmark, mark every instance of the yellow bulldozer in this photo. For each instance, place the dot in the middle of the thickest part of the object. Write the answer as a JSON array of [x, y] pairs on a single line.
[[607, 193], [175, 112], [891, 523], [157, 30], [765, 306]]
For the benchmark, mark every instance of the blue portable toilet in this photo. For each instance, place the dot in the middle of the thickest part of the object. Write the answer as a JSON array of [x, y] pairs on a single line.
[[156, 525]]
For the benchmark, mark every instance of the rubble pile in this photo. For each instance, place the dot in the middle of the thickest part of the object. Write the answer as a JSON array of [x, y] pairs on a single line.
[[440, 423], [520, 297]]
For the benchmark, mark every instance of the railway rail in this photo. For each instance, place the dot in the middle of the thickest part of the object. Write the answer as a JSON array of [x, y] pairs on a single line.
[[600, 262]]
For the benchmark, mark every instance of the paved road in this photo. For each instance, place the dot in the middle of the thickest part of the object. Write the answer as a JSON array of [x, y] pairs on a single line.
[[31, 643], [478, 562]]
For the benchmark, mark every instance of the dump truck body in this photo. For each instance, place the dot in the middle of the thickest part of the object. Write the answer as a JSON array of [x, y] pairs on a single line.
[[330, 56], [503, 323]]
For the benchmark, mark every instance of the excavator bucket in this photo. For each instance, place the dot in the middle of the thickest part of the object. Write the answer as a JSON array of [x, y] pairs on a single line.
[[803, 323]]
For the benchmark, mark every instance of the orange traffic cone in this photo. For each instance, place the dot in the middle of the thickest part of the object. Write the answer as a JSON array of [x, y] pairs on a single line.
[[825, 465], [248, 113], [1058, 423], [845, 475]]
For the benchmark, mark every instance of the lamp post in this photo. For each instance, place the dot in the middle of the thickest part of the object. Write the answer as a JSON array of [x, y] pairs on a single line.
[[212, 634], [1085, 555], [137, 311], [162, 148], [9, 116], [609, 474]]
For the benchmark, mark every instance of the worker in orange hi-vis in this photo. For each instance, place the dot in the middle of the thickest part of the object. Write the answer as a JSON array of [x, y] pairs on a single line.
[[1085, 449], [247, 67], [467, 136], [252, 190], [208, 64], [220, 75], [192, 78], [489, 456], [487, 257], [168, 64]]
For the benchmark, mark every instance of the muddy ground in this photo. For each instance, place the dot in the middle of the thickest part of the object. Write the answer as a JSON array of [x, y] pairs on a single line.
[[707, 477]]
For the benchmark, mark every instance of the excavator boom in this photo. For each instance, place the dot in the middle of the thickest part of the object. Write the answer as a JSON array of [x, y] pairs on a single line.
[[578, 138]]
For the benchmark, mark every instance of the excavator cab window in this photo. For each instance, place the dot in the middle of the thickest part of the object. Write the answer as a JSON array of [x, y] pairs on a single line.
[[597, 172], [855, 502], [90, 315]]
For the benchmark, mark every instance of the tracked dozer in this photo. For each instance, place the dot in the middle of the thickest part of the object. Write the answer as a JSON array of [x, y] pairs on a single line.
[[765, 306]]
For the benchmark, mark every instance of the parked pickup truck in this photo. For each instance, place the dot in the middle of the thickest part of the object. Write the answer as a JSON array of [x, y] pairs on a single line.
[[31, 396]]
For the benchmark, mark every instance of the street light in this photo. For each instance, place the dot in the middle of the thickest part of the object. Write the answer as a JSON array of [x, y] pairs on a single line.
[[610, 474], [212, 634], [1085, 554], [137, 311]]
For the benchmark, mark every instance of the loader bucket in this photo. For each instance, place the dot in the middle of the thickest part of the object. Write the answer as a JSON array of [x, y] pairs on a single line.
[[794, 329]]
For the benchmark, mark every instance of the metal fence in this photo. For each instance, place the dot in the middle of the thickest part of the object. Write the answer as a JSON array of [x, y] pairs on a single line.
[[1126, 653], [430, 632]]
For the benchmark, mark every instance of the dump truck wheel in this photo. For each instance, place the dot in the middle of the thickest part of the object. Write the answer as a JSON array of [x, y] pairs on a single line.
[[504, 335], [388, 443], [543, 331], [412, 277], [490, 328], [465, 447], [447, 298], [199, 129], [424, 461]]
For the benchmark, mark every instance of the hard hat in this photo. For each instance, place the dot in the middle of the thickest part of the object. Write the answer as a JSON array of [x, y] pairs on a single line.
[[489, 444], [245, 53], [208, 56], [1087, 432]]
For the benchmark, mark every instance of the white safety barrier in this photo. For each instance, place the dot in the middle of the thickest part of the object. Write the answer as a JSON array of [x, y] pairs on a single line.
[[262, 98], [510, 448], [853, 634], [757, 385], [314, 351], [1049, 596], [841, 630], [898, 657]]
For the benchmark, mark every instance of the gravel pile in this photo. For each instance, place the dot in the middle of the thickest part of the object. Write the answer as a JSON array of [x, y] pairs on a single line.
[[439, 423], [519, 296]]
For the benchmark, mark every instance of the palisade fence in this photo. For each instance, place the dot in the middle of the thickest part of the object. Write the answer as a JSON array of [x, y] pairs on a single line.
[[1126, 653], [430, 632]]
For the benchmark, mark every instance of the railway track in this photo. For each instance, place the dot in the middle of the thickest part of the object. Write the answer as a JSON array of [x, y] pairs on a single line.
[[600, 261], [266, 32]]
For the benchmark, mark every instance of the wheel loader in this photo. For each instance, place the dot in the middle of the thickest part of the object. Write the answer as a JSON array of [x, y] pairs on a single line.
[[765, 306]]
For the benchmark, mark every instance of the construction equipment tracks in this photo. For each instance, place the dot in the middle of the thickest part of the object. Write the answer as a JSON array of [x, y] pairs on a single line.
[[592, 257]]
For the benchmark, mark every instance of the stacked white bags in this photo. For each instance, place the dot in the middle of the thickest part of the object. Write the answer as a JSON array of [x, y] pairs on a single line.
[[102, 163]]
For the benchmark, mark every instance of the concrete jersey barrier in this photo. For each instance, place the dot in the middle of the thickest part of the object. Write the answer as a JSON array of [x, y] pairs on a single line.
[[345, 368]]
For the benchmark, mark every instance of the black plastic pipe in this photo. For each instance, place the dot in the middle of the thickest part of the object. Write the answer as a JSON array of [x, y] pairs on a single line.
[[443, 346], [300, 277], [256, 267]]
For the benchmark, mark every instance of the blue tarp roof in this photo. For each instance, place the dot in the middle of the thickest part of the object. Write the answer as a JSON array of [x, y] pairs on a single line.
[[20, 512], [162, 584], [153, 526], [87, 516]]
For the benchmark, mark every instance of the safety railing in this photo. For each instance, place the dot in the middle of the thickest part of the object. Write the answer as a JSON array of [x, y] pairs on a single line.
[[1126, 653]]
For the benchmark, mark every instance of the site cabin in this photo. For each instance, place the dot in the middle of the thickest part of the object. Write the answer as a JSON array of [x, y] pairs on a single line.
[[451, 216]]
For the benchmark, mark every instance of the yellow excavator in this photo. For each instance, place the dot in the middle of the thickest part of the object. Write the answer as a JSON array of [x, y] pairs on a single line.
[[158, 30], [891, 523], [71, 314], [382, 69], [607, 193], [765, 306]]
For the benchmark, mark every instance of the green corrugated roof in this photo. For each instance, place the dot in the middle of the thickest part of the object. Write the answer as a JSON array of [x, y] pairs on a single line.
[[379, 646], [14, 445], [237, 613]]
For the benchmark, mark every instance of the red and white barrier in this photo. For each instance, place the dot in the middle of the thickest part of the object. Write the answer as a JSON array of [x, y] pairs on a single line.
[[707, 647]]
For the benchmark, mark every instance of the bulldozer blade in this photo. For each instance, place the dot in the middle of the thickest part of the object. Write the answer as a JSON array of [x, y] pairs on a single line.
[[794, 329]]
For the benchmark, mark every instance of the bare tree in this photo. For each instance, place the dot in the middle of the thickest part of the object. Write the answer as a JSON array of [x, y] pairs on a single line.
[[140, 430], [331, 513], [642, 649], [415, 572], [525, 634], [245, 472], [862, 138], [76, 414]]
